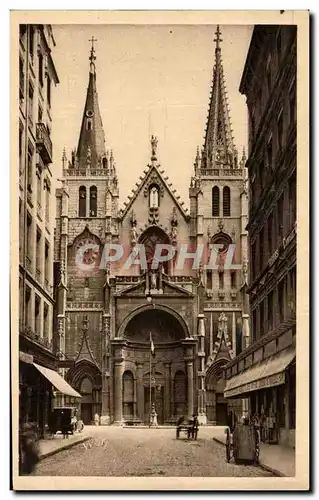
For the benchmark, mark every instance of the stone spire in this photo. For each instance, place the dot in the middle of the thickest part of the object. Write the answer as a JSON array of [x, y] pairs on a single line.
[[219, 148], [91, 147]]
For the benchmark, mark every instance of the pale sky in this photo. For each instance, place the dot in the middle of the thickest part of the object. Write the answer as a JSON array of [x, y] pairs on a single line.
[[152, 79]]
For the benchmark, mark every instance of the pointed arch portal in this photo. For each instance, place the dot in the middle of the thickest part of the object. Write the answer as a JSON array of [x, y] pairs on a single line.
[[216, 404], [86, 377]]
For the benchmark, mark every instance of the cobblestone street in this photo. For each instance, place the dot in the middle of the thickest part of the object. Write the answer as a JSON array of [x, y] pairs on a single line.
[[114, 451]]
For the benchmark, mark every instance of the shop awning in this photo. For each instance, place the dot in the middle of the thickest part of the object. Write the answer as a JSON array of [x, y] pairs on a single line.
[[268, 373], [57, 381]]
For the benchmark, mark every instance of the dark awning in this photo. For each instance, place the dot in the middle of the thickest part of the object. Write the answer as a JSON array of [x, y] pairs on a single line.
[[57, 381], [268, 373]]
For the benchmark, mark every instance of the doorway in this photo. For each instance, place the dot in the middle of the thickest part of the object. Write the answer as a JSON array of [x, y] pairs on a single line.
[[221, 414], [86, 413]]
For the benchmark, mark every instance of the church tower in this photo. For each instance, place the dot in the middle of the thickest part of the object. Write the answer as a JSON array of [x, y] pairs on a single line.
[[87, 205], [218, 216]]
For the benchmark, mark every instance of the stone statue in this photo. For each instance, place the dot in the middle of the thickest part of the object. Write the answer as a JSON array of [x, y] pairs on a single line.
[[154, 197], [174, 234], [201, 274], [62, 273], [133, 236], [222, 325], [154, 142], [153, 280]]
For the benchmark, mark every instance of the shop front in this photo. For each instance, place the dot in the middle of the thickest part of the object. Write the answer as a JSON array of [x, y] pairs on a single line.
[[270, 386], [39, 387]]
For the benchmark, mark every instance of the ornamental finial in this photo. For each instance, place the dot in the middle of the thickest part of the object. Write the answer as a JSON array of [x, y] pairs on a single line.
[[154, 142], [218, 38], [92, 55]]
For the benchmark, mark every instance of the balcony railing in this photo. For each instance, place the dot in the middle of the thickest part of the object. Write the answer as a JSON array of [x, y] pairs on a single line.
[[35, 337], [222, 172], [44, 143]]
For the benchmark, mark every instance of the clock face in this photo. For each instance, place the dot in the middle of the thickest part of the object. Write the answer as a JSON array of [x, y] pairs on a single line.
[[89, 113], [87, 255]]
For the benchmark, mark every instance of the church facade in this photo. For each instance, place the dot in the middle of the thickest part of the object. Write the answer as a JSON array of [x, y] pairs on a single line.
[[108, 310]]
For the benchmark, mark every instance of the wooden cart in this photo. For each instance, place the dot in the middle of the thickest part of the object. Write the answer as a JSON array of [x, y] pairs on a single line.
[[243, 444], [189, 427]]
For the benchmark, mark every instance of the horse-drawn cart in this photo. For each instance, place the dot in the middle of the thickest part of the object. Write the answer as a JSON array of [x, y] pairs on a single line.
[[243, 443]]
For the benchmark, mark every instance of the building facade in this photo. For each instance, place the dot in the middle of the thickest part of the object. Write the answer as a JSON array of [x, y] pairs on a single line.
[[266, 370], [106, 311], [38, 77]]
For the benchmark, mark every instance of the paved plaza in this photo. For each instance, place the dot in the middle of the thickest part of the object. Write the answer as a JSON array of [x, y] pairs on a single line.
[[115, 451]]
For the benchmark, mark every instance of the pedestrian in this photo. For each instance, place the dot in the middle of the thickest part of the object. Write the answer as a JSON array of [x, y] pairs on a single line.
[[29, 451], [195, 427]]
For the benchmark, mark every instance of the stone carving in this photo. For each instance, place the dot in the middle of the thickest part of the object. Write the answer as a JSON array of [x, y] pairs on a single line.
[[133, 219], [88, 155], [61, 325], [245, 271], [220, 224], [153, 215], [62, 273], [174, 224]]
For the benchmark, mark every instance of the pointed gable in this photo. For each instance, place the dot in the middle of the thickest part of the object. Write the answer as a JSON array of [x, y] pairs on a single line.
[[154, 174], [85, 353]]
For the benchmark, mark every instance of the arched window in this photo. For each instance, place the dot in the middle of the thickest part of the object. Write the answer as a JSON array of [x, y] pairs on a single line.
[[104, 162], [226, 201], [93, 201], [154, 197], [215, 202], [89, 124], [82, 201]]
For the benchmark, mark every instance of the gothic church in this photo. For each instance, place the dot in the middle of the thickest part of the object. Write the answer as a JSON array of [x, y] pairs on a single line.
[[104, 316]]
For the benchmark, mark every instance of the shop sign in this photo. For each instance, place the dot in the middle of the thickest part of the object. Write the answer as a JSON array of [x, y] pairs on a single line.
[[256, 385]]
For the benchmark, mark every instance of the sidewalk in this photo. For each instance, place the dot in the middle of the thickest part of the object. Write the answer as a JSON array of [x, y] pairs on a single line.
[[275, 458], [57, 443]]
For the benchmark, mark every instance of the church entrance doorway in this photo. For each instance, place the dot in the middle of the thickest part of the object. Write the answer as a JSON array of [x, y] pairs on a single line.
[[168, 378]]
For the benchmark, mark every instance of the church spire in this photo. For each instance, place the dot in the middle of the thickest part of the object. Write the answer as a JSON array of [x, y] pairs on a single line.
[[91, 147], [219, 148]]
